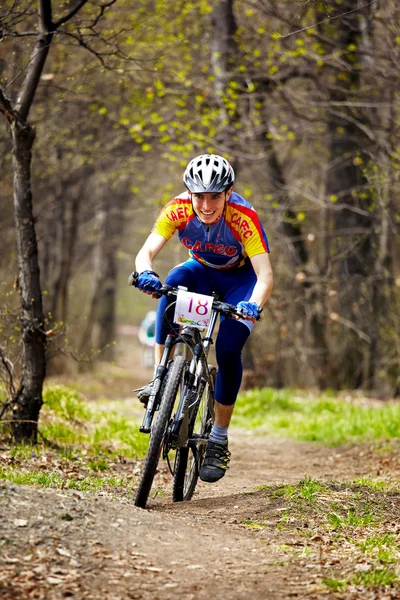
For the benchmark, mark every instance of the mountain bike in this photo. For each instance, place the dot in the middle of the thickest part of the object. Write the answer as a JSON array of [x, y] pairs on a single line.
[[180, 410]]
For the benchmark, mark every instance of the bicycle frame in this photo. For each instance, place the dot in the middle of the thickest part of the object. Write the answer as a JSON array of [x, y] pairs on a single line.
[[198, 367], [196, 374]]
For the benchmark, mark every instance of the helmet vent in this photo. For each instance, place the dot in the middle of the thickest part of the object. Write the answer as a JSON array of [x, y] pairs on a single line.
[[208, 173]]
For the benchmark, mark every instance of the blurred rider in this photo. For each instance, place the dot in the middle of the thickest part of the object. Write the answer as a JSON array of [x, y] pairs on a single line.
[[228, 254]]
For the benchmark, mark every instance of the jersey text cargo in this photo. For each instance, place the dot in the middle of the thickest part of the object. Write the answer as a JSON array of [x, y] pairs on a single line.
[[238, 234]]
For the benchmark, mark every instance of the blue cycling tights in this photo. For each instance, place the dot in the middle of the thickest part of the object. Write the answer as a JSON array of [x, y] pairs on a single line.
[[233, 285]]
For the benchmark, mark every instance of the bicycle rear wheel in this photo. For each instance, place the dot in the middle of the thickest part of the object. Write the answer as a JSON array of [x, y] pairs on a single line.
[[158, 431], [188, 460]]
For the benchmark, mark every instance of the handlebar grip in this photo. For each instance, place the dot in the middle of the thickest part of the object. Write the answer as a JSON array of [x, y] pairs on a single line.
[[132, 279]]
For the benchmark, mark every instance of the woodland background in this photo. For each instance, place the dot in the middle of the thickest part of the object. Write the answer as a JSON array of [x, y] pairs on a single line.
[[301, 96]]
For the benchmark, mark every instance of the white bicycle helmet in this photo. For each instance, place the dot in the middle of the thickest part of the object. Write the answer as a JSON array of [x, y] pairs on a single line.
[[208, 173]]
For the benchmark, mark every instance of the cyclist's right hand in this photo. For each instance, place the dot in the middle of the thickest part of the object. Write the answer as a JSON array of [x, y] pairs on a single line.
[[146, 281]]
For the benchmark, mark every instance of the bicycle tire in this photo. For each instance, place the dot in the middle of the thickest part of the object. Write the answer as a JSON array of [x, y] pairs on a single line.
[[187, 464], [158, 430]]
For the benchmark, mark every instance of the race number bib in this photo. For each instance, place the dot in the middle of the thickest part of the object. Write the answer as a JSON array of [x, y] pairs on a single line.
[[193, 309]]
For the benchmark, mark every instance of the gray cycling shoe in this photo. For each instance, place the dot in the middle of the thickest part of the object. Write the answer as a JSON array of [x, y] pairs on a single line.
[[215, 462], [144, 393]]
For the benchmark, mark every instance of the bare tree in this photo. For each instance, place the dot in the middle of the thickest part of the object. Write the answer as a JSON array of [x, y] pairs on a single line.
[[27, 400]]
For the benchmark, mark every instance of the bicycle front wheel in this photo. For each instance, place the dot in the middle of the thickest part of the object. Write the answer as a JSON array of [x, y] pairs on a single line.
[[188, 460], [158, 431]]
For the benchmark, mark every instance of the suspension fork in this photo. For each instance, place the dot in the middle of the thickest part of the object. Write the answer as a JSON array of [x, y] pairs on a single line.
[[161, 371]]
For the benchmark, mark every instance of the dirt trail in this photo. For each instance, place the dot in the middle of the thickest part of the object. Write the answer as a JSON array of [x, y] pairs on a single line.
[[59, 544]]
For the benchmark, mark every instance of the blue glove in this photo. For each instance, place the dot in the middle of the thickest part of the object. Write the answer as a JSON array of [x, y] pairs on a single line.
[[249, 309], [148, 281]]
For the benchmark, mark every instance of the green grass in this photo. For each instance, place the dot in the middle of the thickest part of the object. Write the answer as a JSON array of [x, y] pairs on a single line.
[[59, 481], [68, 420], [332, 421], [377, 577], [351, 518], [382, 547], [335, 585], [346, 524], [66, 403], [83, 445], [378, 485], [307, 489]]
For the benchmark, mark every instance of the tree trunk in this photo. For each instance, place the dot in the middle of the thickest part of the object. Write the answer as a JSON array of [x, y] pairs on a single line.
[[310, 310], [223, 52], [28, 399], [351, 198], [101, 323], [66, 226]]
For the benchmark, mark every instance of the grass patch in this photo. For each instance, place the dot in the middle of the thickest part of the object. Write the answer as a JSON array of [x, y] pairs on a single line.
[[341, 530], [379, 485], [332, 421], [377, 577], [334, 507], [68, 420], [85, 446], [307, 489], [60, 481], [335, 585], [66, 403], [383, 547], [351, 518]]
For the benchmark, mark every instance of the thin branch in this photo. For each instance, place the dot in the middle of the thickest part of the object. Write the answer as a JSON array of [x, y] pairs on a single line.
[[350, 325], [71, 14], [32, 58], [358, 9], [10, 11], [77, 8]]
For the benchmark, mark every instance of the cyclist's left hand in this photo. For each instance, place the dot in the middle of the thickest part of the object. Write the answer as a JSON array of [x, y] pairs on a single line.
[[249, 310]]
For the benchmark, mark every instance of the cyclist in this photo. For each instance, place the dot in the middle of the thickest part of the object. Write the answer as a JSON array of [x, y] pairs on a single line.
[[228, 253]]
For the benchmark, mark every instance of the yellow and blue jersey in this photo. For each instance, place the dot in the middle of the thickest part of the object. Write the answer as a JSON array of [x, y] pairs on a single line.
[[235, 237]]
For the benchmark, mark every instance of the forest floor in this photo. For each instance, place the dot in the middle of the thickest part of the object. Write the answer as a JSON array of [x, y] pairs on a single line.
[[289, 520], [232, 540]]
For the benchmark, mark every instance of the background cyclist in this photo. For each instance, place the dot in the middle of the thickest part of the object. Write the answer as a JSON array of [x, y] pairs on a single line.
[[228, 254]]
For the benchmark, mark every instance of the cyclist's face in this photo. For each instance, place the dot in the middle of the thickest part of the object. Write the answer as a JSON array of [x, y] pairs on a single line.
[[209, 206]]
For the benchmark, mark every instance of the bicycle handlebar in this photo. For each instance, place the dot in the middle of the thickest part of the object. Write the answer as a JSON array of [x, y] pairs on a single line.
[[225, 309]]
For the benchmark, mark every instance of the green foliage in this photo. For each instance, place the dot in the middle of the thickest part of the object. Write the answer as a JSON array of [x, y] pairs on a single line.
[[334, 584], [352, 518], [68, 420], [382, 547], [58, 480], [377, 577], [150, 94], [332, 421], [307, 489], [253, 407], [66, 403]]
